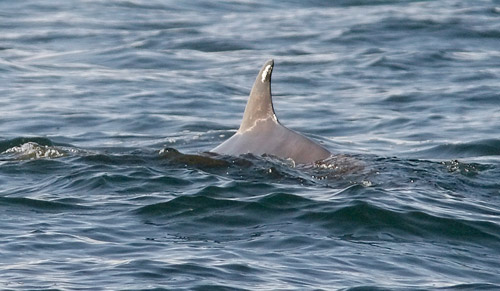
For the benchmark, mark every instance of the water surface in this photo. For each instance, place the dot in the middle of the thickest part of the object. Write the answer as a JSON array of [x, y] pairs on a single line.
[[106, 109]]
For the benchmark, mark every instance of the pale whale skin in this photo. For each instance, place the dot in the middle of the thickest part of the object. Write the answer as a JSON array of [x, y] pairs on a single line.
[[261, 133]]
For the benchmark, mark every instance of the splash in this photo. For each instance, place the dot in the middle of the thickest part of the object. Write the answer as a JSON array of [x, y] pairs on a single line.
[[34, 151]]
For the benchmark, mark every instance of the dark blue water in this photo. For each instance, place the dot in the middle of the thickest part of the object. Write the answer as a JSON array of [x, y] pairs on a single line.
[[106, 108]]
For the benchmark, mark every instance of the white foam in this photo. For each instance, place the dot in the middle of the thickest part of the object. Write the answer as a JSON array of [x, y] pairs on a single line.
[[32, 150]]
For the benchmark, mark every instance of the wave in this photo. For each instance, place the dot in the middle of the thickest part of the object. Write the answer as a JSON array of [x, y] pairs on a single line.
[[355, 220], [367, 221], [480, 148], [16, 142], [39, 204], [32, 148], [461, 287]]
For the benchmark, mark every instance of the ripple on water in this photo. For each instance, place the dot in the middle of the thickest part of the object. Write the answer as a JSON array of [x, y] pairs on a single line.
[[94, 90], [40, 204], [480, 148]]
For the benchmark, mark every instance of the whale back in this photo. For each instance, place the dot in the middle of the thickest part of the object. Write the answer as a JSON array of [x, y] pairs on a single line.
[[261, 133]]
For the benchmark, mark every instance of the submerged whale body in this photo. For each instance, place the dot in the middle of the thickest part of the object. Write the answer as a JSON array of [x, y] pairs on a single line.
[[261, 133]]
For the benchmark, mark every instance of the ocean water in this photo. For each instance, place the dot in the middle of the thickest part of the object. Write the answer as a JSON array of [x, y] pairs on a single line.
[[107, 110]]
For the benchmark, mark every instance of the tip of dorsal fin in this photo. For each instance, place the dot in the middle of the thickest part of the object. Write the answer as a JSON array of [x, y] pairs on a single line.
[[260, 102]]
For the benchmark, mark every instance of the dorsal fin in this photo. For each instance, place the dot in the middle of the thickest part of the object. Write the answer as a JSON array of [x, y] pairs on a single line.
[[261, 133], [260, 102]]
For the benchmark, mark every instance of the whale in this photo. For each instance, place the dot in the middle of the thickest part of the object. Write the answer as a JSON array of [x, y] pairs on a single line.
[[261, 133]]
